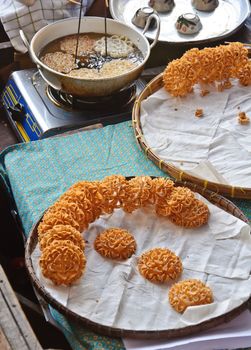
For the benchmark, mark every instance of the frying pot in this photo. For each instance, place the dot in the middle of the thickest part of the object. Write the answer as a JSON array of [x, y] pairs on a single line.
[[81, 86]]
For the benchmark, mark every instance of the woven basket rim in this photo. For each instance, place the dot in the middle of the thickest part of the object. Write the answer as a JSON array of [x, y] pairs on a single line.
[[227, 190], [32, 241]]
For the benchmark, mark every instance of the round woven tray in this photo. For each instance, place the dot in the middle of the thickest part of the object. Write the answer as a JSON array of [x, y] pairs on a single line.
[[227, 190], [32, 242]]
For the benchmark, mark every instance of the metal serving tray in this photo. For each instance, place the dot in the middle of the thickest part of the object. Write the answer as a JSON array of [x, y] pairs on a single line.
[[225, 20]]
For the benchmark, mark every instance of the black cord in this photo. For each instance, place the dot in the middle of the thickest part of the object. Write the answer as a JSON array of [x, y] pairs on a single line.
[[79, 22], [105, 29]]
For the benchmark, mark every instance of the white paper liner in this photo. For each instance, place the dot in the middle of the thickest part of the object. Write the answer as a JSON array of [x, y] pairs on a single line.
[[232, 335], [115, 294], [214, 147]]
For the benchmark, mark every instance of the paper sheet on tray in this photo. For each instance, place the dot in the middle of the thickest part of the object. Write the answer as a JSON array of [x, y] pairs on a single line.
[[217, 140], [115, 294], [232, 335]]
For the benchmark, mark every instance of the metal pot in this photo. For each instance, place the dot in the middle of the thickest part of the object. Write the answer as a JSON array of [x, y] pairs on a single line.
[[88, 87]]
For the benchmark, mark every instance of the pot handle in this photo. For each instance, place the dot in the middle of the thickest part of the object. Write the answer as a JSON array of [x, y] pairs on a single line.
[[27, 44], [148, 22]]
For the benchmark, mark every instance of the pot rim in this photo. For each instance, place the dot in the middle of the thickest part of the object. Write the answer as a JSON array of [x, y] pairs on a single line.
[[87, 18]]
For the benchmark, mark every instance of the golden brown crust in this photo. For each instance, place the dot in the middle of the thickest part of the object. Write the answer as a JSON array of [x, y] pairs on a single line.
[[204, 92], [62, 232], [178, 201], [115, 243], [160, 265], [85, 201], [189, 293], [243, 118], [85, 44], [184, 209], [194, 216], [78, 207], [244, 74], [60, 218], [110, 189], [206, 66], [161, 190], [136, 193], [199, 113], [88, 203], [62, 262], [87, 195]]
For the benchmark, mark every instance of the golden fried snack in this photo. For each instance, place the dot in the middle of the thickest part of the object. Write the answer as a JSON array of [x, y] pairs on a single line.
[[75, 208], [110, 189], [85, 201], [88, 199], [69, 43], [115, 243], [206, 66], [90, 188], [199, 112], [129, 198], [62, 262], [84, 191], [189, 293], [62, 232], [243, 118], [163, 210], [179, 77], [161, 190], [115, 181], [146, 190], [160, 265], [227, 84], [244, 74], [204, 92], [137, 193], [178, 201], [60, 218], [76, 212], [193, 216]]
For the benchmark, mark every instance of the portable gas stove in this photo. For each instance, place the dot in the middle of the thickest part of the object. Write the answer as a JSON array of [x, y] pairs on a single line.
[[35, 110]]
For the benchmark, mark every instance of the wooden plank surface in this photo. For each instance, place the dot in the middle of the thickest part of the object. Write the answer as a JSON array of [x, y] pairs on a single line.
[[7, 136], [16, 332], [4, 344]]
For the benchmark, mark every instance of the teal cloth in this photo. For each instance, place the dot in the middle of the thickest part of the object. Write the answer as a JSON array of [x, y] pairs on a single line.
[[37, 173]]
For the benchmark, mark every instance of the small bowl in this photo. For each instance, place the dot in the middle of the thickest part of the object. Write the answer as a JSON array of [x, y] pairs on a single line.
[[162, 5], [141, 16], [188, 23], [205, 5]]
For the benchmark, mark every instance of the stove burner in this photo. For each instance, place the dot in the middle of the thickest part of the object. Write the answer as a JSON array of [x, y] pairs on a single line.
[[111, 103]]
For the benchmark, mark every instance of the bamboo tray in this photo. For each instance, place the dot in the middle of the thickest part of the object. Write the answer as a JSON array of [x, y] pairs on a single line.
[[32, 242], [181, 175]]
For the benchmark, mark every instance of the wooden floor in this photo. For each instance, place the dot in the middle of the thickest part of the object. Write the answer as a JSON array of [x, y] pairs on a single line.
[[7, 136], [15, 330]]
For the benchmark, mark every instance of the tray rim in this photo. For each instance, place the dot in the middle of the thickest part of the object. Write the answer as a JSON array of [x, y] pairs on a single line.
[[214, 198], [187, 42], [181, 175]]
